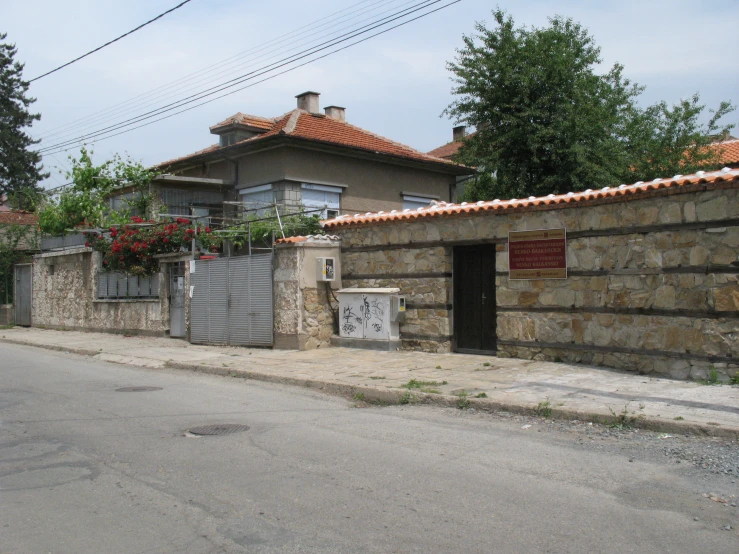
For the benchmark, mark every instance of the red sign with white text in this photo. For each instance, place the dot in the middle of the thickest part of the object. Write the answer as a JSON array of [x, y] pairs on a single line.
[[538, 254]]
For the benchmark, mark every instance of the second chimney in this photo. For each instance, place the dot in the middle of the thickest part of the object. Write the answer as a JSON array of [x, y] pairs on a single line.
[[458, 133], [308, 101], [336, 112]]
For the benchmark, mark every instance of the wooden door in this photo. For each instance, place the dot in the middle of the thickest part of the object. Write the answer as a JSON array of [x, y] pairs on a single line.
[[474, 299]]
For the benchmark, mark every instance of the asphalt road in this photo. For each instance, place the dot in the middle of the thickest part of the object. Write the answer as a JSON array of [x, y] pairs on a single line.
[[86, 469]]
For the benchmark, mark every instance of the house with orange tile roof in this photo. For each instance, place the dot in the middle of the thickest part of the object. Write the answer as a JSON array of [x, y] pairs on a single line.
[[304, 157]]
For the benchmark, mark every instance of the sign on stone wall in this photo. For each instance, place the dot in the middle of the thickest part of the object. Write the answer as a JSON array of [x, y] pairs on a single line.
[[540, 254]]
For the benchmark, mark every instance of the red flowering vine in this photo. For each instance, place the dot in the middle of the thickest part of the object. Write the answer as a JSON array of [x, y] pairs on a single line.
[[132, 249]]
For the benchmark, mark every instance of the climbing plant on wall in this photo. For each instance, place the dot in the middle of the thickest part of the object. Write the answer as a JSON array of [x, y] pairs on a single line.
[[15, 243]]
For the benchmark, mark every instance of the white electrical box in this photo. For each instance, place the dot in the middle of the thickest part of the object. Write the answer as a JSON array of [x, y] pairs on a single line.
[[367, 314], [326, 269]]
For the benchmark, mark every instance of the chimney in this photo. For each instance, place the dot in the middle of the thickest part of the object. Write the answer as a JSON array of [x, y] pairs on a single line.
[[459, 132], [308, 101], [337, 112]]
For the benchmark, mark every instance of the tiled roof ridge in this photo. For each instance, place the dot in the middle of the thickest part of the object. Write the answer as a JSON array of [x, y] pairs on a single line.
[[292, 122], [445, 208], [240, 115]]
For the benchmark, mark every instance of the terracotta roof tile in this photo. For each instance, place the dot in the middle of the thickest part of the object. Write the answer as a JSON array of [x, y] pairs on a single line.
[[320, 128], [729, 151], [446, 151], [678, 184], [18, 218], [211, 148], [256, 121], [291, 240]]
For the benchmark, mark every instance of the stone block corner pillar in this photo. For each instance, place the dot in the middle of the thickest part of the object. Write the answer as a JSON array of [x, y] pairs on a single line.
[[304, 308]]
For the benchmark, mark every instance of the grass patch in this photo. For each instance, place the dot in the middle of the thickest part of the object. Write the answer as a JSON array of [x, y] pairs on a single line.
[[463, 401], [438, 367], [416, 384], [359, 397], [406, 398], [481, 395], [678, 418], [735, 379], [486, 364], [712, 379], [544, 408], [376, 378], [624, 420]]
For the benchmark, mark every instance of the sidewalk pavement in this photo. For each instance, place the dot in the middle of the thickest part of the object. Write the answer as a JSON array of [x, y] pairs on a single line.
[[569, 391]]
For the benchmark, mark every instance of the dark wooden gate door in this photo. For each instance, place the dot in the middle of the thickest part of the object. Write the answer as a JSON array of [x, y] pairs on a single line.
[[474, 299]]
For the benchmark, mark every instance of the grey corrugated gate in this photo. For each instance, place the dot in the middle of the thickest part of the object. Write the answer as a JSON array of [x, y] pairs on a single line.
[[23, 277], [232, 301]]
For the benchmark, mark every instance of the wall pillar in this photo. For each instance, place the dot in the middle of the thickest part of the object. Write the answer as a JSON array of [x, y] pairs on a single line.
[[304, 307]]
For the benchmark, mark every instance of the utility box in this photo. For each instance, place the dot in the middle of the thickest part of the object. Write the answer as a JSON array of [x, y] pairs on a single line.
[[326, 269], [397, 308], [368, 314]]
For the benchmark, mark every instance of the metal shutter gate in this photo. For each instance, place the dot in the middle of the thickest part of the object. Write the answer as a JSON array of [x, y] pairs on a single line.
[[232, 301]]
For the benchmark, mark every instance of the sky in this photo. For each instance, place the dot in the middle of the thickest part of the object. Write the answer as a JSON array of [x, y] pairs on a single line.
[[396, 84]]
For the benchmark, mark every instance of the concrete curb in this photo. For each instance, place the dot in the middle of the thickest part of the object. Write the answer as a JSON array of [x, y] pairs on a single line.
[[391, 396], [388, 396]]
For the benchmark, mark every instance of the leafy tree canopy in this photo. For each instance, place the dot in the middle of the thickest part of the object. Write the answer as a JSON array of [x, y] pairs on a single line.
[[86, 201], [548, 122], [20, 168]]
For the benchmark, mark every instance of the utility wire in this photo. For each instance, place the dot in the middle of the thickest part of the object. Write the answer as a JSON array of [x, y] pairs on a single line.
[[209, 69], [277, 74], [111, 41], [150, 101], [247, 76]]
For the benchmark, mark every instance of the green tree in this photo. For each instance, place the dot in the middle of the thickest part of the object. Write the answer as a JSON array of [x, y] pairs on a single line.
[[548, 122], [672, 140], [16, 243], [86, 201], [20, 168]]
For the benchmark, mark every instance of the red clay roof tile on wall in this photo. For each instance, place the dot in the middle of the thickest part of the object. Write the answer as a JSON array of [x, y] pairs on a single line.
[[676, 184]]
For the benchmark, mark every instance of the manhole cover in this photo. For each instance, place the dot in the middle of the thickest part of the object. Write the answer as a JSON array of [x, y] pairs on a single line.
[[219, 429], [137, 389]]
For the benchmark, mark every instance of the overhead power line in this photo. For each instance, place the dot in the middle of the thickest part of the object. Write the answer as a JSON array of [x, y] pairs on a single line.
[[181, 85], [111, 41], [109, 132], [247, 76]]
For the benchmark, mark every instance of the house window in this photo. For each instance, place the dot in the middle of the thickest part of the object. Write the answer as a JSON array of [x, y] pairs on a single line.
[[192, 201], [413, 202], [322, 196], [258, 200]]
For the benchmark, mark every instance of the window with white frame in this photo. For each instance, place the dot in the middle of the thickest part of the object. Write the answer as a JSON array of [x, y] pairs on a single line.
[[322, 196], [261, 199], [412, 202]]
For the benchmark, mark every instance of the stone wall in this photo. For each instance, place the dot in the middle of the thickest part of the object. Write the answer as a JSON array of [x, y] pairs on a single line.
[[7, 314], [64, 297], [652, 283], [304, 309]]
